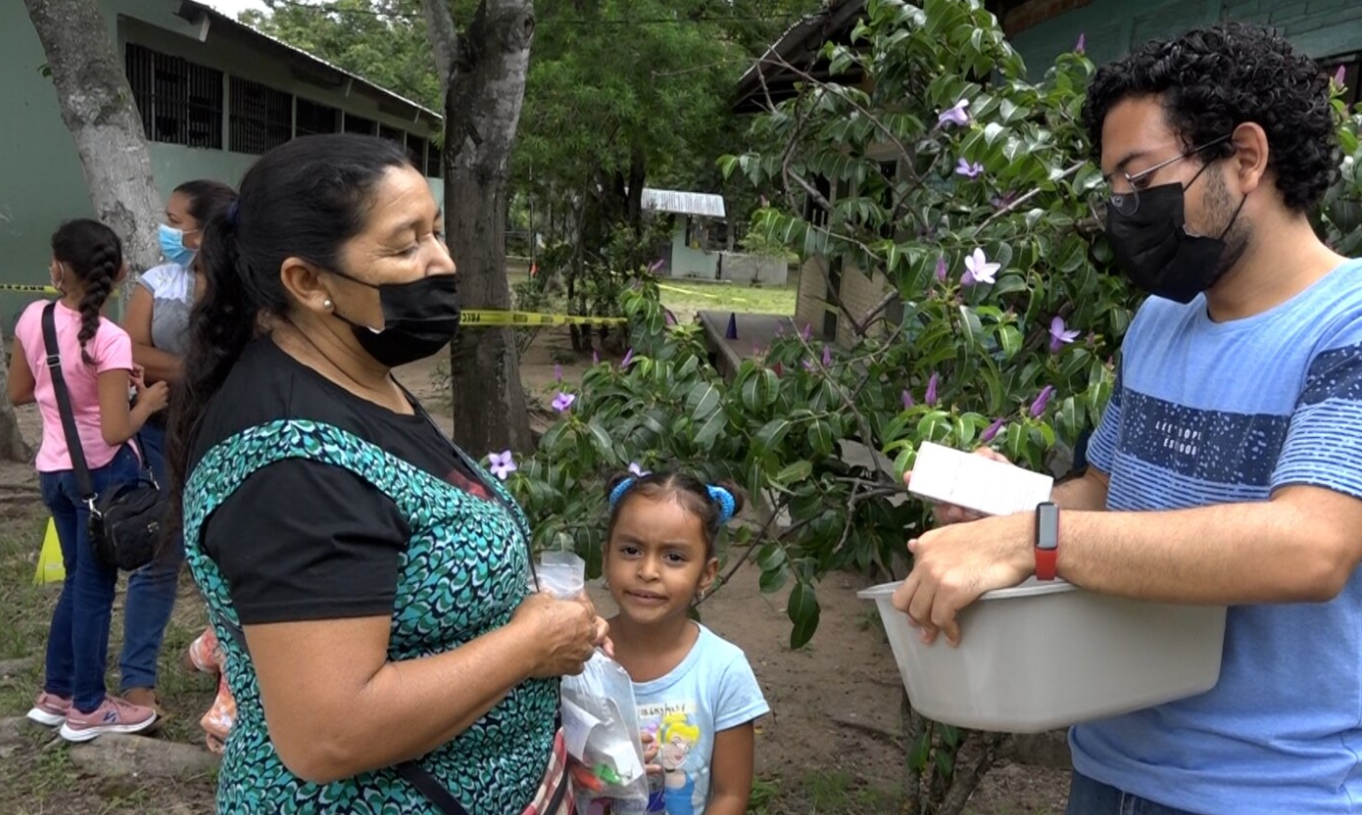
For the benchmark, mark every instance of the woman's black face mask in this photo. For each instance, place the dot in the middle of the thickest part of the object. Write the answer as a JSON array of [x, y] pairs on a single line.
[[419, 318]]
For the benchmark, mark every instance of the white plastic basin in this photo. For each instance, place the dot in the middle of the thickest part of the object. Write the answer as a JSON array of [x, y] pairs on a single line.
[[1047, 655]]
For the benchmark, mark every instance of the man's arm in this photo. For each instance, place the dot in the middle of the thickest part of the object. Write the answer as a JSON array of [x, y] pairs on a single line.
[[1301, 546]]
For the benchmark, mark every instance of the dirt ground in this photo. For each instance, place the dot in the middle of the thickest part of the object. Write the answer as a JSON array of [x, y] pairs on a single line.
[[830, 745]]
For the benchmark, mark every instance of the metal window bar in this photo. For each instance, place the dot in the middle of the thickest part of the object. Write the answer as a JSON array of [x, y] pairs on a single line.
[[360, 125], [416, 151], [434, 161], [315, 118], [261, 117]]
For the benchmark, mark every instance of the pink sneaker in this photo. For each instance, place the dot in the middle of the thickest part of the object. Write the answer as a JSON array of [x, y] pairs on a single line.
[[50, 710], [114, 716]]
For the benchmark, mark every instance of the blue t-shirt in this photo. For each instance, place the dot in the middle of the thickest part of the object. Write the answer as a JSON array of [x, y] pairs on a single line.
[[712, 690], [1210, 413]]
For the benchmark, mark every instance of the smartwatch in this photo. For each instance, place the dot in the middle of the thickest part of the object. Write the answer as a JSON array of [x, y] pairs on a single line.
[[1047, 540]]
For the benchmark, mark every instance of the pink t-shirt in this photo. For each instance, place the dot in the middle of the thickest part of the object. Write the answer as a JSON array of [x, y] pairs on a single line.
[[110, 348]]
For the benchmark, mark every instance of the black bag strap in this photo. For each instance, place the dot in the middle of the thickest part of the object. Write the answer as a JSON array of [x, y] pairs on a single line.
[[411, 771], [68, 416]]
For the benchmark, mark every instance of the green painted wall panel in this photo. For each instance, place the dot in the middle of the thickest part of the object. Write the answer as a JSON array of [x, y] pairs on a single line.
[[41, 181], [1322, 28]]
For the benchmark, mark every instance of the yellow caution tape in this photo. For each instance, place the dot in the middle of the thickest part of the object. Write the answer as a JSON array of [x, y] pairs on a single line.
[[694, 293], [27, 288], [469, 317], [479, 317]]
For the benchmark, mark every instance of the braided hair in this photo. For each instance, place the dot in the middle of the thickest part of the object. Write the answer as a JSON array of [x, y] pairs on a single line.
[[91, 252]]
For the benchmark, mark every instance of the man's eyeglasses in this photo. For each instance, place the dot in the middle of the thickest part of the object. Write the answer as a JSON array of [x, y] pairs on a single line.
[[1127, 202]]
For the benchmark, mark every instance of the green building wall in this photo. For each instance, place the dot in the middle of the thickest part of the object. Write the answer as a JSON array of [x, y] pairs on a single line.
[[41, 180], [1322, 28]]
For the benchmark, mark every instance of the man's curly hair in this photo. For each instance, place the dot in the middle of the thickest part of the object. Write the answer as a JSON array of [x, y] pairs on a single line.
[[1214, 79]]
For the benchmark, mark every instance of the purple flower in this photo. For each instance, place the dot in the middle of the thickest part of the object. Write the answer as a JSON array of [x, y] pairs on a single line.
[[656, 266], [808, 364], [807, 332], [907, 399], [1081, 47], [501, 464], [628, 358], [1341, 75], [563, 401], [668, 318], [969, 170], [636, 471], [595, 357], [557, 373], [954, 115], [941, 269], [930, 398], [1060, 334], [1042, 399], [991, 431], [827, 356], [978, 268]]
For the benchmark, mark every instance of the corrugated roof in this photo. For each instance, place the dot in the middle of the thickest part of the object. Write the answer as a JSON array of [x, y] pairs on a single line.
[[684, 203], [219, 17]]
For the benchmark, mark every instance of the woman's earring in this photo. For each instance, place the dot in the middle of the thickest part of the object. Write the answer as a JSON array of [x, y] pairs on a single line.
[[327, 304]]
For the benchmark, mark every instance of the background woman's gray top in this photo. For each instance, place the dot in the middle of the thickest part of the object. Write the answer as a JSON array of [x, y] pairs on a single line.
[[172, 292]]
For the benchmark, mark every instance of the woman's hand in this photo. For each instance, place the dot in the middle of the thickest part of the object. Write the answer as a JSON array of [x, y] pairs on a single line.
[[563, 633]]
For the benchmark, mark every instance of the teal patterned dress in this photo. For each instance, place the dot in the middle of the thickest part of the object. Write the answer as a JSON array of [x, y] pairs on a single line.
[[465, 571]]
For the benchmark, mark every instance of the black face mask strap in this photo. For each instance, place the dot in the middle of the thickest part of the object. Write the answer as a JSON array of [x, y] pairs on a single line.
[[1234, 217]]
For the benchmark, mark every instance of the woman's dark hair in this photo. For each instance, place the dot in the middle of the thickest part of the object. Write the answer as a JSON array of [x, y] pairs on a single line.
[[93, 253], [208, 199], [688, 491], [1211, 80], [303, 199]]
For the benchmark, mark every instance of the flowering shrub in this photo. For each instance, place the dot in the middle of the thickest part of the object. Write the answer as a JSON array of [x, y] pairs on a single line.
[[968, 189]]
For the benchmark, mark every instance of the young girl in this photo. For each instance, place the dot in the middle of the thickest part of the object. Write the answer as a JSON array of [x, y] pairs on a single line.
[[96, 364], [697, 697]]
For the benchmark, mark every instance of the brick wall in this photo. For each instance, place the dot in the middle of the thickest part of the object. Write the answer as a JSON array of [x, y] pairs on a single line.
[[860, 294]]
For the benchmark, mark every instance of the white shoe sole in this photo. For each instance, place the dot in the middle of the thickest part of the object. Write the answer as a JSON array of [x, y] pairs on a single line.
[[92, 733], [42, 717]]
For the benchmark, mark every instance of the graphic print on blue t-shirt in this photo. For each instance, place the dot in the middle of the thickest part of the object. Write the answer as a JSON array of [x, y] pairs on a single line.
[[1208, 413]]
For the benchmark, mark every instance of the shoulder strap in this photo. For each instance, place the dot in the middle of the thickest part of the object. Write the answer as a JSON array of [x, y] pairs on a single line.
[[68, 416]]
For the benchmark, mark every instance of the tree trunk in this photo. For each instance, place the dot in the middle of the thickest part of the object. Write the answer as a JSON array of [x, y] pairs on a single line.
[[486, 89], [638, 173], [98, 108], [12, 444]]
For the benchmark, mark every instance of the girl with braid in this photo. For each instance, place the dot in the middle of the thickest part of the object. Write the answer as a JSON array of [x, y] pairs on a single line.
[[96, 363]]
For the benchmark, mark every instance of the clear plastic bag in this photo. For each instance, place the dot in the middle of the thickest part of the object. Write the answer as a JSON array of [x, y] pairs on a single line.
[[600, 719], [600, 724]]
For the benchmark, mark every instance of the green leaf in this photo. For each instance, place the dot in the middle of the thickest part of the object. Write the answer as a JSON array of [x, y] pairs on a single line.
[[703, 399], [820, 438], [771, 557], [794, 473], [709, 431], [775, 579], [921, 751], [935, 426], [602, 441], [803, 611], [771, 435]]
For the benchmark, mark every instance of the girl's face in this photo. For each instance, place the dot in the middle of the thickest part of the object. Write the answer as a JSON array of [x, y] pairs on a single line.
[[655, 561], [177, 215]]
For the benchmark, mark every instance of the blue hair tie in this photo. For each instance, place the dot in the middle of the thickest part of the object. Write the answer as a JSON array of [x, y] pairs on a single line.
[[232, 210], [620, 489], [725, 500]]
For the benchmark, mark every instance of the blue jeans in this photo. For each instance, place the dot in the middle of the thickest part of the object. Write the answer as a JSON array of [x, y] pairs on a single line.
[[1089, 797], [151, 589], [78, 642]]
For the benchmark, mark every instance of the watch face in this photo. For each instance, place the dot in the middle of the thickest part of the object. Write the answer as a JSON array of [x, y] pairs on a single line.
[[1047, 526]]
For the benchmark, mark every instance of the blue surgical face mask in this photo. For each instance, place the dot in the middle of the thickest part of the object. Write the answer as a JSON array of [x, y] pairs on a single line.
[[172, 245]]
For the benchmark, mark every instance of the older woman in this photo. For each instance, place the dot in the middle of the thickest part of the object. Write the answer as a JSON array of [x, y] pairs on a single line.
[[370, 581]]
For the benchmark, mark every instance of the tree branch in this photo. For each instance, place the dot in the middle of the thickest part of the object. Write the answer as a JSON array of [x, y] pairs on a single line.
[[444, 40]]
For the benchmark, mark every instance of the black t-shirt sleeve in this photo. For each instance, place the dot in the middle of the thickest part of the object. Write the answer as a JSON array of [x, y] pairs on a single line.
[[303, 540]]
